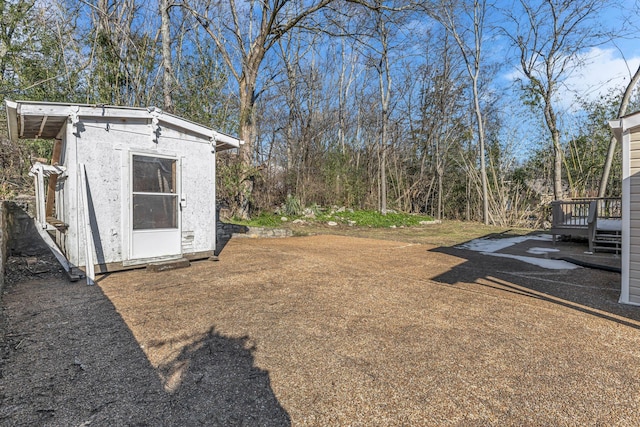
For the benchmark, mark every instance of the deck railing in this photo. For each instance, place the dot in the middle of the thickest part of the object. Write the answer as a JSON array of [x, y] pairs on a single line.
[[609, 208], [579, 217], [578, 212]]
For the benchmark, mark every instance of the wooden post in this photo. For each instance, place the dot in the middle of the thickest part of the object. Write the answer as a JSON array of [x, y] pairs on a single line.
[[40, 204], [53, 179]]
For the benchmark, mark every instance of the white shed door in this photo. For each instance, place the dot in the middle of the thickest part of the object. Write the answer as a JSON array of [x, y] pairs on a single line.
[[155, 214]]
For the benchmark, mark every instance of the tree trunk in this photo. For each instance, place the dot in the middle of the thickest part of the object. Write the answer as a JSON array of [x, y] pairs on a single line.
[[440, 189], [384, 75], [247, 85], [167, 79], [246, 135], [550, 119], [481, 142], [557, 166]]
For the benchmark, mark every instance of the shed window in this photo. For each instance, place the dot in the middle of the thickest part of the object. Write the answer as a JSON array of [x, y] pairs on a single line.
[[155, 200]]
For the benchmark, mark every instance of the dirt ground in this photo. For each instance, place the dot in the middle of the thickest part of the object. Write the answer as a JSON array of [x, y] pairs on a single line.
[[322, 330]]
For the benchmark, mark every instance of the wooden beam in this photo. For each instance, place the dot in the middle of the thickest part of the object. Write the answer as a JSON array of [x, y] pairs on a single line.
[[53, 179], [42, 125], [62, 259]]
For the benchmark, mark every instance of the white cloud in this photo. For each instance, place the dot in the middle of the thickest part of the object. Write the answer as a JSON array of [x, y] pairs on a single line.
[[603, 70], [599, 71]]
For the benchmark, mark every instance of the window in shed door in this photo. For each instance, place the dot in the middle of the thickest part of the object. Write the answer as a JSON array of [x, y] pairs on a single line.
[[155, 198]]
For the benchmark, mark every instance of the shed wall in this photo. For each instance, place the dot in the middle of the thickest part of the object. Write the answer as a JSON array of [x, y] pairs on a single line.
[[105, 147]]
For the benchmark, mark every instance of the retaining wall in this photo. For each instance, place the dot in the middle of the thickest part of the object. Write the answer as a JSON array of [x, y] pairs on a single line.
[[4, 236], [18, 235]]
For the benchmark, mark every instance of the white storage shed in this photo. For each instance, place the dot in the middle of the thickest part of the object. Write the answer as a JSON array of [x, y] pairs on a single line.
[[125, 186]]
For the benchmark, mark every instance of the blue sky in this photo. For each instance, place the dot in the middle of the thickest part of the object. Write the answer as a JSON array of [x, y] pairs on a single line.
[[609, 65]]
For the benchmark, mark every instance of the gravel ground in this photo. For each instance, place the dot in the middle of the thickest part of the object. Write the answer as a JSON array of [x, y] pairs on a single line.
[[324, 330]]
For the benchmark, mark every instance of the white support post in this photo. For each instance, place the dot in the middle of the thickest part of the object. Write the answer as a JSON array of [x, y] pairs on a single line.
[[88, 234], [38, 171], [40, 204]]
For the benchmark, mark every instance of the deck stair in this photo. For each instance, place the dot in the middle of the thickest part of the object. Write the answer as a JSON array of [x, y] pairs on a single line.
[[607, 241]]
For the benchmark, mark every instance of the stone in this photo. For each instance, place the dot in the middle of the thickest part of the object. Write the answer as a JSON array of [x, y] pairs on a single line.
[[332, 223]]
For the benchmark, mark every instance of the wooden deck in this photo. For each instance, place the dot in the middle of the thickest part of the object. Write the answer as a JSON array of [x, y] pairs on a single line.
[[599, 220]]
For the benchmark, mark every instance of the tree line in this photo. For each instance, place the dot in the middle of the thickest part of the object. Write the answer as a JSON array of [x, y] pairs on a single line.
[[454, 108]]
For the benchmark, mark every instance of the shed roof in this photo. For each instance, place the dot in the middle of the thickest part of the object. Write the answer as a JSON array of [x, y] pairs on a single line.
[[34, 119]]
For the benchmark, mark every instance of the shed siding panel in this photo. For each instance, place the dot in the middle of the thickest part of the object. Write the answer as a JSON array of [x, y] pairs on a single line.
[[634, 164], [67, 192], [197, 192], [634, 217], [635, 136], [99, 148], [634, 290], [635, 283], [634, 257], [634, 151]]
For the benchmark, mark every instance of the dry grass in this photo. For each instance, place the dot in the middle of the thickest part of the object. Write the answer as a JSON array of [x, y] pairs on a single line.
[[372, 332], [448, 233]]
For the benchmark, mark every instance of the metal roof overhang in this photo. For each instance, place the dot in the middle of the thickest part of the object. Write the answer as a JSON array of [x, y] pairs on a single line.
[[45, 120]]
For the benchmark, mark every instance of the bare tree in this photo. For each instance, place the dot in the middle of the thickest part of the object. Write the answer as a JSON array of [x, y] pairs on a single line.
[[548, 36], [436, 122], [244, 32], [469, 41], [385, 81], [122, 59]]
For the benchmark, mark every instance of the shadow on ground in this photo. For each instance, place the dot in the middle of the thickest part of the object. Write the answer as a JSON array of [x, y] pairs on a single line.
[[68, 358], [225, 232], [589, 290], [214, 381]]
